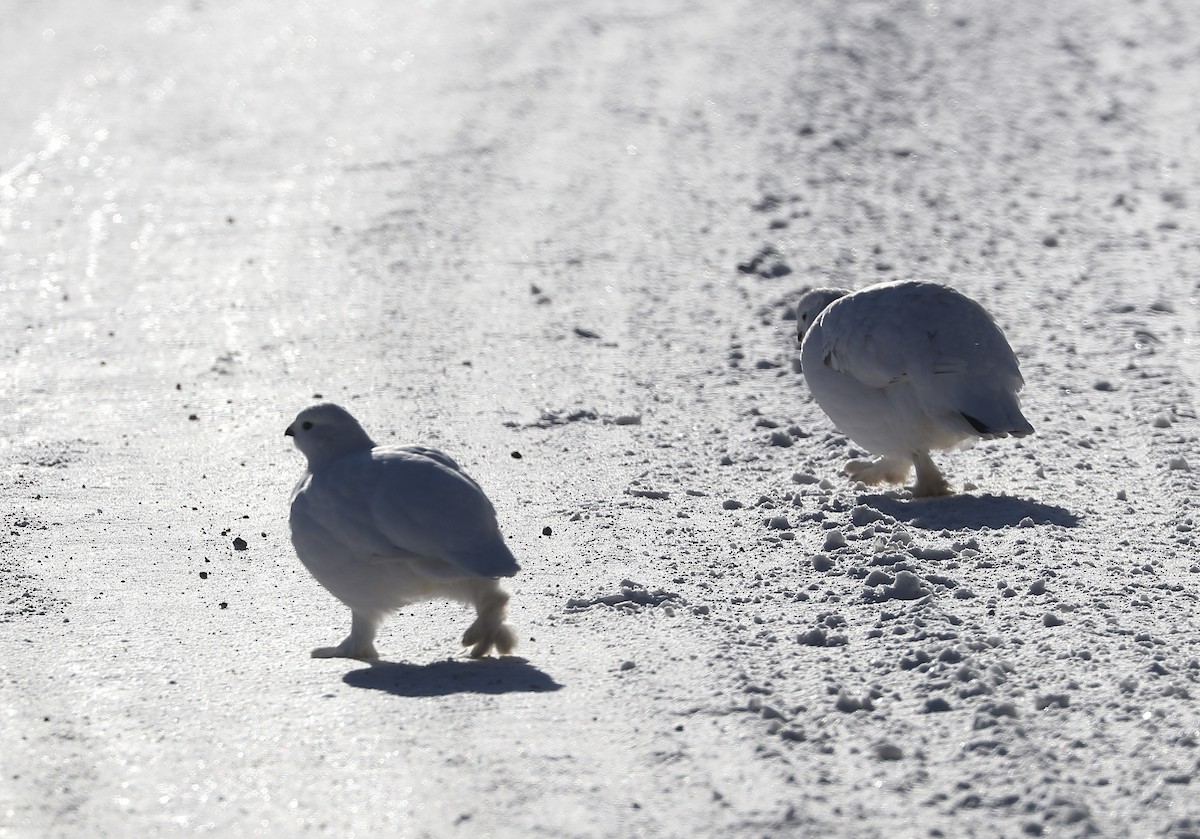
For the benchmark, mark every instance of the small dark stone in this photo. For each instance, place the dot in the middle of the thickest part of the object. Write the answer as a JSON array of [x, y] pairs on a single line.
[[769, 203], [546, 531], [239, 544], [516, 455], [204, 575], [193, 417], [223, 605]]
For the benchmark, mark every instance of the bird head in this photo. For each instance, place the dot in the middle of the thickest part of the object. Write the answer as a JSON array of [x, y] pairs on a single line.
[[326, 432], [811, 305]]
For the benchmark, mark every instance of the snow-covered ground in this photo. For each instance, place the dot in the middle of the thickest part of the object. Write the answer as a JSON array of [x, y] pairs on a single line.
[[561, 241]]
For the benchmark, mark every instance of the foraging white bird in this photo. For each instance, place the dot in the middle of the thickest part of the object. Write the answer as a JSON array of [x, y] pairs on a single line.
[[384, 526], [903, 368]]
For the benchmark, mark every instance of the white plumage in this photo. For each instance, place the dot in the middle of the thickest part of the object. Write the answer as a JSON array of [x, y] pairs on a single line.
[[384, 526], [907, 367]]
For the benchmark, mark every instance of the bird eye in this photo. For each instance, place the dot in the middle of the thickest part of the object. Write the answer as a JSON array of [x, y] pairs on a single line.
[[306, 425]]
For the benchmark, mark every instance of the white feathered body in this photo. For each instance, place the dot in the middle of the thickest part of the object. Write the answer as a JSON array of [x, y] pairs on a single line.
[[384, 526], [906, 367], [394, 525]]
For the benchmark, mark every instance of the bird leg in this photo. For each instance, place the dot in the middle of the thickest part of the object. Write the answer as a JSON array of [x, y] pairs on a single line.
[[930, 481], [360, 643], [489, 629], [881, 470]]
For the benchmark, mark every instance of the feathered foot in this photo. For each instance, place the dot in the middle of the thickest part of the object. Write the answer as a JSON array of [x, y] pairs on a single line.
[[930, 481], [489, 629], [360, 643], [881, 470]]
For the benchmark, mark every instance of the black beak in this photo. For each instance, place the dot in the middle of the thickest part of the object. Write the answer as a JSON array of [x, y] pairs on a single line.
[[288, 432]]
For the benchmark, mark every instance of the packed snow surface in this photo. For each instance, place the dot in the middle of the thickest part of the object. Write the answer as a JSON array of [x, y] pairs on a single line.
[[565, 243]]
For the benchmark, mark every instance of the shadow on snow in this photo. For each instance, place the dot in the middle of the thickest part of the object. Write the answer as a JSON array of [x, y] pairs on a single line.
[[442, 678], [970, 511]]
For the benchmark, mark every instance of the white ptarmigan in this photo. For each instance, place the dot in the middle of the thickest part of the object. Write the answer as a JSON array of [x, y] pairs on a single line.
[[384, 526], [906, 367]]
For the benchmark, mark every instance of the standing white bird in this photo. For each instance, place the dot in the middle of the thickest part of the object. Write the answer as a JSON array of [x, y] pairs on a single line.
[[384, 526], [906, 367]]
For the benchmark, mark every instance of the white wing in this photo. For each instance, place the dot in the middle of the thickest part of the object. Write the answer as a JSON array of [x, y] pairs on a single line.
[[405, 503], [945, 345], [907, 328]]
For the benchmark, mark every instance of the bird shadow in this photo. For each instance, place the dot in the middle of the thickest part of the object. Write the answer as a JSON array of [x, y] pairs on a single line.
[[970, 512], [509, 674]]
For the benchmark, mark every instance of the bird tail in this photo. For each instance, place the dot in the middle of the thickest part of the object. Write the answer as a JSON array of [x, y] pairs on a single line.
[[990, 416], [501, 562], [975, 406], [491, 559]]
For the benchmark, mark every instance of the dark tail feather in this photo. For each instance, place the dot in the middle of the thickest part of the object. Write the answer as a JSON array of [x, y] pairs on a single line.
[[987, 431], [977, 425]]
